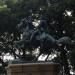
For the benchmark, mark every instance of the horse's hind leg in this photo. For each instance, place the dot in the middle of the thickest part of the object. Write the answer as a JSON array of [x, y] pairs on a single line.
[[47, 57], [36, 59]]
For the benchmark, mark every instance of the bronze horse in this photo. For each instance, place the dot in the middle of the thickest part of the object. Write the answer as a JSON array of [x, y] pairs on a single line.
[[37, 37]]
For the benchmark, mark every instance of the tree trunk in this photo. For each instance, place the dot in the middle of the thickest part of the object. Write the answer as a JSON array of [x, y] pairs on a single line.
[[64, 62]]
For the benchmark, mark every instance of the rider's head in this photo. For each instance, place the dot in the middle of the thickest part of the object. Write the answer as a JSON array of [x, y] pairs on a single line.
[[42, 24]]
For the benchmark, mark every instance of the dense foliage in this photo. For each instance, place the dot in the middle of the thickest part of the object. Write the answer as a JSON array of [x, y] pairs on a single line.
[[59, 14]]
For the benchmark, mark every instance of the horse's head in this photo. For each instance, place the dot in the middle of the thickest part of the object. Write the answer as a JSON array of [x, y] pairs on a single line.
[[22, 25], [25, 24]]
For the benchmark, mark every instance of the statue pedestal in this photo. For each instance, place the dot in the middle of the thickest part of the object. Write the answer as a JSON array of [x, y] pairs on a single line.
[[43, 68]]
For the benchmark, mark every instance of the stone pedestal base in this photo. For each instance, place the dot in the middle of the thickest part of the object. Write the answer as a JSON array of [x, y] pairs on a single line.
[[45, 68]]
